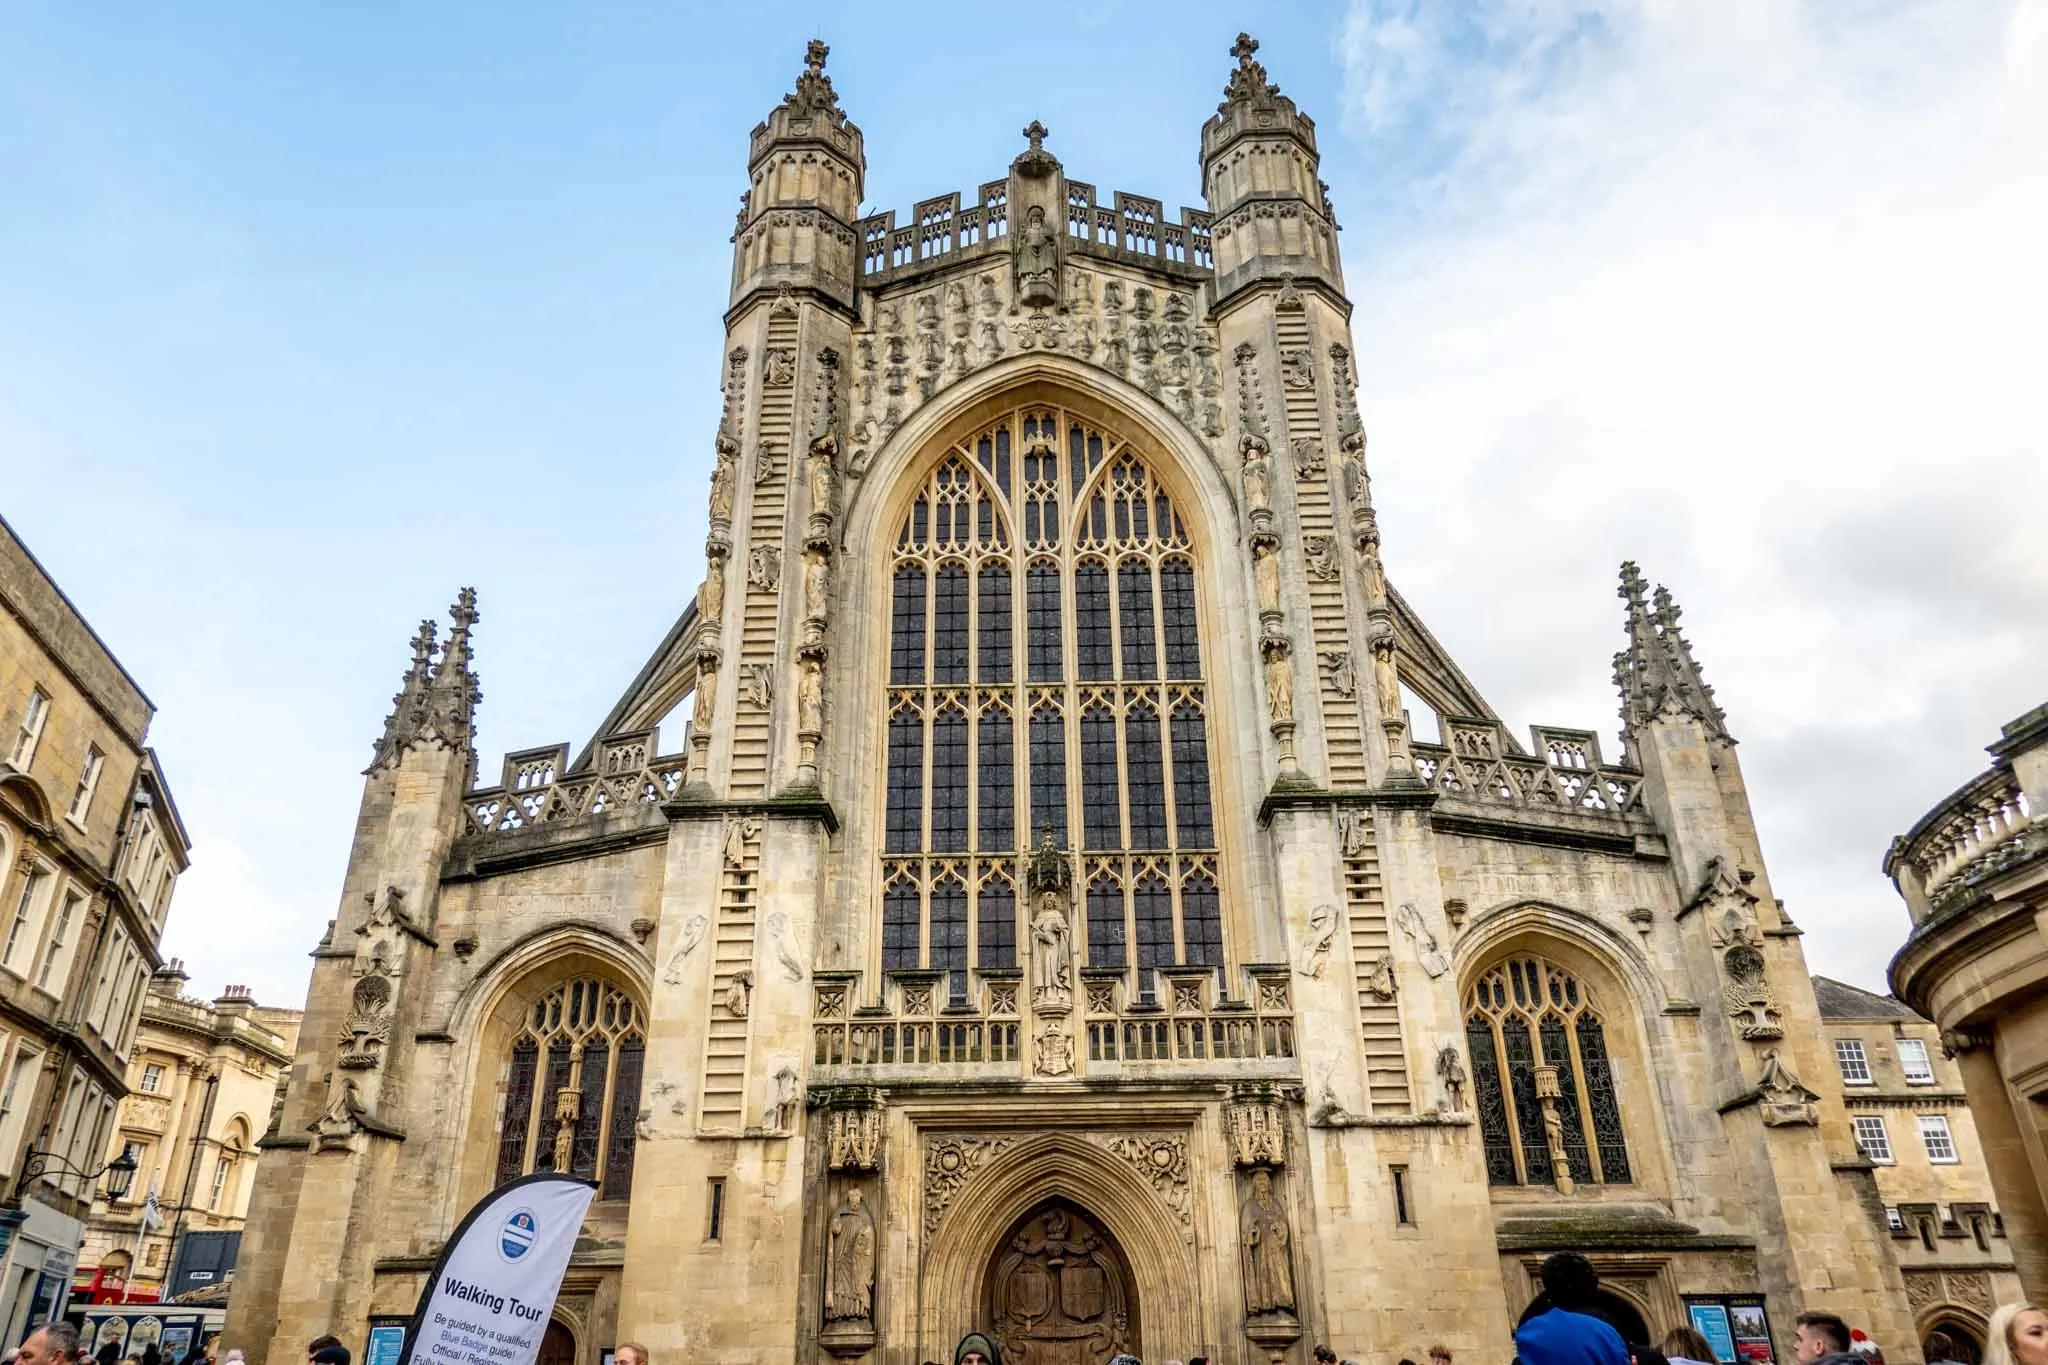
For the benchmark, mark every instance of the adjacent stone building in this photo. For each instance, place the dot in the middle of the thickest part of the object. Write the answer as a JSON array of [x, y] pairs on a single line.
[[1050, 919], [1909, 1115], [1974, 875], [203, 1078], [90, 849]]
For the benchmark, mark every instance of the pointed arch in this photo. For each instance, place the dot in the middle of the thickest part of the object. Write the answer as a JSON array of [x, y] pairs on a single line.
[[1065, 1166]]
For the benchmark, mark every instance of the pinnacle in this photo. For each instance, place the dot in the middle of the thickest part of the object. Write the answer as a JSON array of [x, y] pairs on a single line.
[[1657, 674]]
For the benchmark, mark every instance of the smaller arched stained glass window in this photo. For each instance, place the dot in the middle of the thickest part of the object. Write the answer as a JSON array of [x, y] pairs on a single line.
[[572, 1087], [1543, 1078]]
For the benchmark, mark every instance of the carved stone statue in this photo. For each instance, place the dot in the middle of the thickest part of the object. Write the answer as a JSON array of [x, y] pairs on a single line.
[[850, 1263], [810, 697], [1409, 920], [1450, 1069], [721, 481], [1263, 1238], [1279, 680], [1322, 926], [739, 994], [1049, 878], [823, 475], [817, 584], [760, 682], [1258, 477], [1038, 262], [693, 934], [788, 1097], [707, 697], [783, 936], [711, 596], [1343, 677], [1266, 574]]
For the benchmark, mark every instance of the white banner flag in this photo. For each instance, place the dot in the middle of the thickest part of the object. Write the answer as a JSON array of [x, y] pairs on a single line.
[[488, 1300]]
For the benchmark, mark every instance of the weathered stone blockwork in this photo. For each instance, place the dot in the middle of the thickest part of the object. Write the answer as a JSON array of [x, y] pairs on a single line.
[[1050, 920]]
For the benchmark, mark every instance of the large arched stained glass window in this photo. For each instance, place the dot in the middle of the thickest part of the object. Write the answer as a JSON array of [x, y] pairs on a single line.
[[1046, 674], [1544, 1082], [572, 1090]]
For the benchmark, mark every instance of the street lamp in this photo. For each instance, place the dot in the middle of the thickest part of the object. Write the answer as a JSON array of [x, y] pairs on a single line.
[[120, 1174]]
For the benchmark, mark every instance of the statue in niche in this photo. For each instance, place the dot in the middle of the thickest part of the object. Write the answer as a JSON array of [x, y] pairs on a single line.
[[1050, 881], [824, 475], [721, 480], [1266, 574], [1258, 477], [788, 1092], [1279, 680], [1263, 1238], [817, 584], [1037, 261], [850, 1277], [707, 696], [711, 595], [810, 697]]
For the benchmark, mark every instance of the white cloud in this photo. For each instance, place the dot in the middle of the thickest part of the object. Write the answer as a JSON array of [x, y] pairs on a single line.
[[1751, 292]]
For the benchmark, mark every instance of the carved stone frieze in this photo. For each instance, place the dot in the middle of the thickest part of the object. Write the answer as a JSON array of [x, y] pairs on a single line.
[[853, 1132], [950, 1165], [1161, 1158]]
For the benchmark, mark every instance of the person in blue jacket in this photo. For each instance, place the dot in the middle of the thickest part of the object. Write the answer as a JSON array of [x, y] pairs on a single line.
[[1569, 1334]]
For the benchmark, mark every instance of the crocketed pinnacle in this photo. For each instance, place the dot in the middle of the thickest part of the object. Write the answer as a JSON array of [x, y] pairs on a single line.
[[1657, 673], [436, 704], [814, 96], [1248, 83]]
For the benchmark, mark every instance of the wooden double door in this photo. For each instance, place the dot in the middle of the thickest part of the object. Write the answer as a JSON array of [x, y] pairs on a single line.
[[1059, 1291]]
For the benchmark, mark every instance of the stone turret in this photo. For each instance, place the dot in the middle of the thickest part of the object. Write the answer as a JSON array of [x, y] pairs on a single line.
[[1270, 215], [806, 168], [328, 1167]]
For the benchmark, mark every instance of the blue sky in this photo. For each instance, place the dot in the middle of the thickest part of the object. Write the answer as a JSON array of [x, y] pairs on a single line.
[[309, 317]]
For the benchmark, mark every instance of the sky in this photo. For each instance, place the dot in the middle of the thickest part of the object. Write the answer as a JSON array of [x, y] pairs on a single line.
[[309, 317]]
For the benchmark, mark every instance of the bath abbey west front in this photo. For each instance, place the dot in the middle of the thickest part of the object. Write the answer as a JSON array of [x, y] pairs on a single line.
[[1047, 921]]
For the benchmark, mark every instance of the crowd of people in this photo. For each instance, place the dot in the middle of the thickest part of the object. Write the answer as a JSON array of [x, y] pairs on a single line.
[[1571, 1331]]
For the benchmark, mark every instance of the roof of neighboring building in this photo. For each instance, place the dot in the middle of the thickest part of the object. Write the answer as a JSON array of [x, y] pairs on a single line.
[[28, 590], [1839, 1000]]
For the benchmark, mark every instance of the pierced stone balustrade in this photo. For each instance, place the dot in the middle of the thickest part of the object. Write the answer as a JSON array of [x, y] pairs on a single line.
[[1980, 827], [1568, 779], [534, 791], [1132, 229]]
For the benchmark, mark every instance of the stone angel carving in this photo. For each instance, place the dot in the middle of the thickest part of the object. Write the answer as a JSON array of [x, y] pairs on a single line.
[[784, 939], [1409, 920], [1315, 952], [693, 934]]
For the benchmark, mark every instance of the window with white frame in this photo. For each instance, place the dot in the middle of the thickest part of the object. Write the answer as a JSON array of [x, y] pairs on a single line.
[[220, 1182], [152, 1078], [16, 1097], [1938, 1140], [1914, 1063], [34, 888], [1872, 1138], [48, 978], [1850, 1057], [31, 732], [88, 783], [1895, 1220]]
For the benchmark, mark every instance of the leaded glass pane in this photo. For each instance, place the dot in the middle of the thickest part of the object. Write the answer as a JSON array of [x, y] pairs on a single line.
[[556, 1074], [1521, 1063], [995, 783], [949, 781], [619, 1144], [1147, 786], [901, 927], [1042, 607], [906, 627], [995, 926], [1600, 1099], [949, 934], [1197, 827], [1177, 602], [992, 624], [905, 817], [1493, 1109], [1557, 1053], [1101, 821], [1152, 918], [1091, 621], [597, 1059], [518, 1110], [1049, 773], [1201, 921], [1105, 924], [949, 625], [1134, 617]]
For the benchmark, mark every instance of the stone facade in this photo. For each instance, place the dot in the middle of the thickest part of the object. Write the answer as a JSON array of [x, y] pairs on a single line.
[[1208, 1009], [90, 849], [1974, 876], [202, 1078], [1910, 1116]]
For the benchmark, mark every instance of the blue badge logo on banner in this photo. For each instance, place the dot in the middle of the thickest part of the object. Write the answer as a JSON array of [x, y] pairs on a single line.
[[516, 1238]]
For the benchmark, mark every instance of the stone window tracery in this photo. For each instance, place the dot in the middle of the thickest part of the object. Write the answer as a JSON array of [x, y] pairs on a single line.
[[572, 1087], [1045, 674], [1543, 1077]]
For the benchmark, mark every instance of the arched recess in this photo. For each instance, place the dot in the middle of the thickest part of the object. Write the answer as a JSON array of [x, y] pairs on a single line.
[[1966, 1328], [494, 1011], [1620, 990], [1611, 1305], [1203, 505], [959, 1251], [27, 793]]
